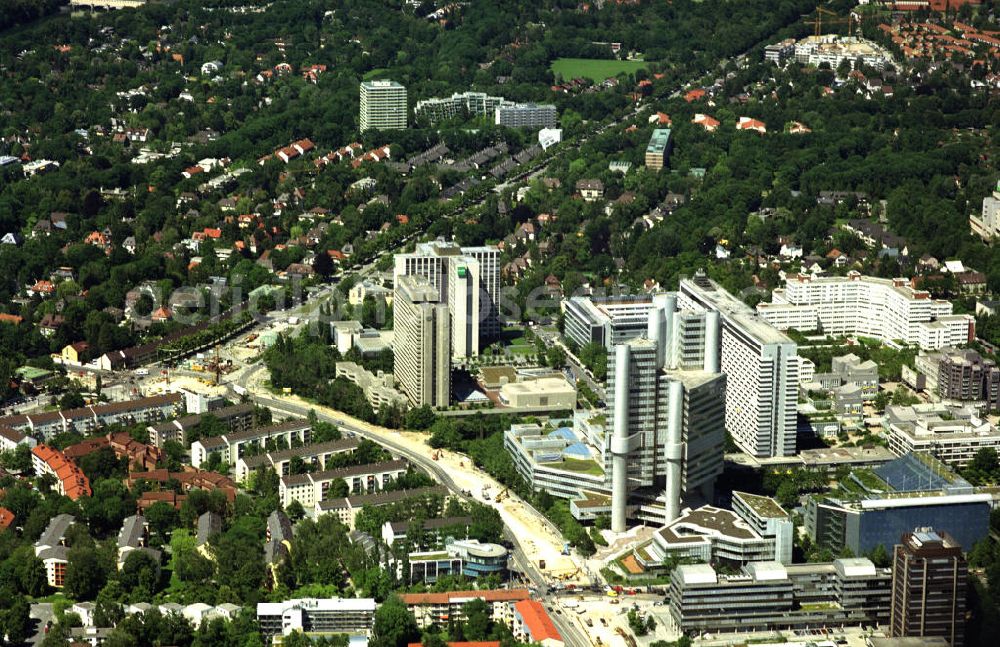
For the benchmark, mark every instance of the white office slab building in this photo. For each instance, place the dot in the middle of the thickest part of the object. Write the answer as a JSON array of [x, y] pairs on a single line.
[[761, 366], [887, 309], [468, 281]]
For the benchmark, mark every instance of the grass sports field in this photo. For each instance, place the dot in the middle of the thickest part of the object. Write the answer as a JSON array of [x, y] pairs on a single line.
[[593, 68]]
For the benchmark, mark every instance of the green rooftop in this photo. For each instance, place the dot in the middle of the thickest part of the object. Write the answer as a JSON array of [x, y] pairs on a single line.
[[659, 141], [32, 373], [580, 466]]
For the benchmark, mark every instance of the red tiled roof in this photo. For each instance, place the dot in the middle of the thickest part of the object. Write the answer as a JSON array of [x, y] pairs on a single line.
[[74, 482], [498, 595], [13, 319], [6, 518], [539, 623]]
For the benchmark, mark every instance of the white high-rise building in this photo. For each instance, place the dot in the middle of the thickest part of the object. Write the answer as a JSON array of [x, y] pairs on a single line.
[[761, 366], [987, 225], [887, 309], [468, 280], [667, 395], [421, 349], [383, 105]]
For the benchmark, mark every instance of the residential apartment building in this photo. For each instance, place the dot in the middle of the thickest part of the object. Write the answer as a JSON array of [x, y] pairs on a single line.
[[987, 225], [658, 149], [953, 434], [433, 534], [780, 52], [383, 106], [761, 366], [10, 439], [70, 479], [422, 349], [442, 608], [238, 418], [533, 625], [134, 536], [459, 104], [86, 420], [313, 455], [526, 115], [887, 309], [966, 376], [310, 488], [929, 580], [348, 508], [51, 549], [439, 262], [766, 596], [316, 615], [833, 49], [232, 447]]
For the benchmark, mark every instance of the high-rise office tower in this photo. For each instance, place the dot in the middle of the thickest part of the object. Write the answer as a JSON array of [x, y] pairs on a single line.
[[666, 394], [929, 578], [421, 350], [468, 279], [383, 105], [761, 366]]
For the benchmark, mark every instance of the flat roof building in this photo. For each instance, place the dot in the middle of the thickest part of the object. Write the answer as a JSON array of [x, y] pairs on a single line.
[[423, 342], [316, 615], [526, 115], [383, 106], [658, 149], [887, 309], [950, 433], [929, 582], [761, 366]]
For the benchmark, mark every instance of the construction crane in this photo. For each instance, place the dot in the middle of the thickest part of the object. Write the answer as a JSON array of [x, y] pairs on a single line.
[[834, 20]]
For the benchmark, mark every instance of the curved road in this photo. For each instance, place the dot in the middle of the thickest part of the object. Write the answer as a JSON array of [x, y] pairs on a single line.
[[570, 631]]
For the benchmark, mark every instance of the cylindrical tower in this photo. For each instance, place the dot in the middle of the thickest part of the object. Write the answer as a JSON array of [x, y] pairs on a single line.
[[619, 440], [674, 449]]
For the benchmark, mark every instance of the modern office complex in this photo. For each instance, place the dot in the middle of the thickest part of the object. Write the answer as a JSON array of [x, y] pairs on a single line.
[[761, 366], [658, 149], [952, 434], [466, 557], [526, 115], [468, 280], [929, 579], [422, 348], [316, 615], [877, 506], [666, 395], [713, 535], [383, 105], [769, 596], [887, 309], [457, 105], [608, 321]]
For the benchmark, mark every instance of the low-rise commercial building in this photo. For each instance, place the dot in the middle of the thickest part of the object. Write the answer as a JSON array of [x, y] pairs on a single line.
[[310, 488], [880, 504], [768, 596], [950, 433], [467, 557], [555, 393], [316, 615]]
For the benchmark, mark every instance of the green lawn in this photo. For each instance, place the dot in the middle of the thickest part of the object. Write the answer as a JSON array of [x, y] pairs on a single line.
[[371, 74], [523, 350], [593, 68], [577, 465]]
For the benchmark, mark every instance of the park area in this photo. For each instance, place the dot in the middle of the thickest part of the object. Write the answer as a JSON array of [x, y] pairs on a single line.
[[593, 68]]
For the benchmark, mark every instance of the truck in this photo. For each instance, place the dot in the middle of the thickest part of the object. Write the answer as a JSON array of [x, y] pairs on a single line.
[[239, 390], [293, 321]]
